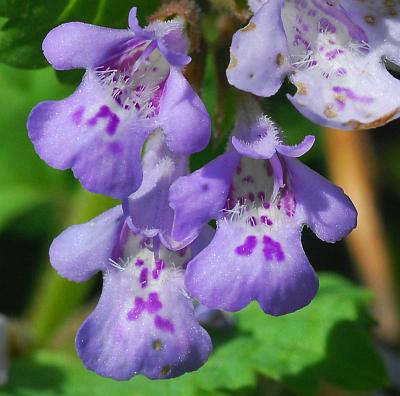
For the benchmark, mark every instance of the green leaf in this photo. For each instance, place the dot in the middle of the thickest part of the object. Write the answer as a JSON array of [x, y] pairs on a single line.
[[28, 22], [48, 373], [326, 341]]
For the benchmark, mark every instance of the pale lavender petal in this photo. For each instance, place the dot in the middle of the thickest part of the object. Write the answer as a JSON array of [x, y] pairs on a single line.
[[144, 328], [337, 67], [245, 263], [183, 117], [297, 150], [79, 45], [259, 65], [94, 136], [327, 210], [148, 207], [345, 101], [254, 134], [200, 197], [82, 250], [134, 24], [171, 40]]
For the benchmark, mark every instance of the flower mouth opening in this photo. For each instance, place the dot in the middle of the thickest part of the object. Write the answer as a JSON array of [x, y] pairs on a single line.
[[321, 37], [135, 79]]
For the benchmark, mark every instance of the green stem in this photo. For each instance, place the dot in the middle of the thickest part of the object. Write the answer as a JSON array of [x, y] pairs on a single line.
[[55, 298]]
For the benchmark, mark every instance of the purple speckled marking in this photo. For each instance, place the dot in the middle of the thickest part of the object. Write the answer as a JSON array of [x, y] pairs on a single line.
[[261, 196], [248, 179], [78, 115], [266, 205], [182, 252], [288, 202], [265, 220], [105, 112], [143, 277], [251, 197], [272, 249], [136, 311], [160, 265], [326, 26], [139, 262], [146, 243], [164, 324], [352, 95], [248, 247], [331, 55], [153, 303], [252, 221], [341, 71]]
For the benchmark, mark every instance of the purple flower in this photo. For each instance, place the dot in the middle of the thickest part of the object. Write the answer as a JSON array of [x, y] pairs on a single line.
[[333, 52], [144, 322], [261, 197], [132, 86], [148, 209]]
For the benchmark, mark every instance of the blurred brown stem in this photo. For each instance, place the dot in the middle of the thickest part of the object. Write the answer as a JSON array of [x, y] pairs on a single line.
[[351, 165]]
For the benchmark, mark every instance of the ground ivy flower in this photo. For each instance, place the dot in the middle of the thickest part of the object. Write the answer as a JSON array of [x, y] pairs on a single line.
[[261, 197], [144, 322], [133, 85], [333, 51]]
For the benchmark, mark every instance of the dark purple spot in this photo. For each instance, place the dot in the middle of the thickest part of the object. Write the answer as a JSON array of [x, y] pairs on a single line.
[[272, 249], [266, 205], [331, 55], [143, 277], [105, 112], [160, 265], [326, 26], [265, 220], [164, 324], [248, 247], [139, 262], [238, 170], [252, 221], [341, 71], [77, 115], [136, 311], [153, 303], [261, 196], [251, 197], [248, 179], [288, 202], [182, 252]]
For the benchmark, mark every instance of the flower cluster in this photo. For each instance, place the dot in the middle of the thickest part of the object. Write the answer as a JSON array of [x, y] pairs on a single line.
[[128, 131], [334, 52]]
